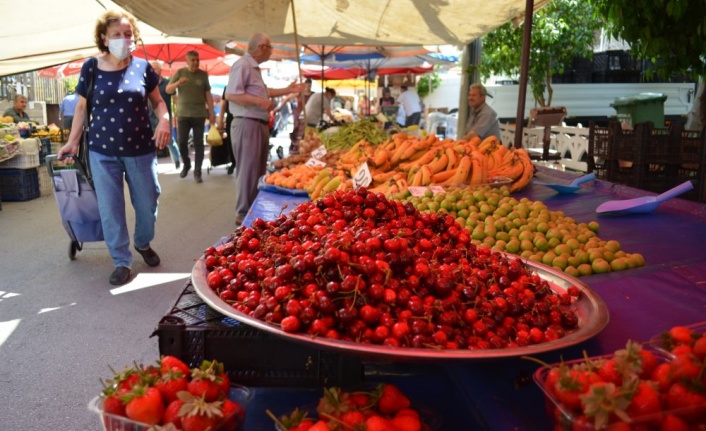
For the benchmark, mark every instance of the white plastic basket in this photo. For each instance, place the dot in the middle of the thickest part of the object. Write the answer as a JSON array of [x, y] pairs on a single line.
[[23, 161]]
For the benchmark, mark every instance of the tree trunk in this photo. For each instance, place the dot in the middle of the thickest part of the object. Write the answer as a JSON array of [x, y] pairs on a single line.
[[693, 119]]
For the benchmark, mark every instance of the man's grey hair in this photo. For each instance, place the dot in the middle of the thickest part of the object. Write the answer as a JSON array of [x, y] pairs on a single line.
[[256, 40], [19, 96], [481, 89]]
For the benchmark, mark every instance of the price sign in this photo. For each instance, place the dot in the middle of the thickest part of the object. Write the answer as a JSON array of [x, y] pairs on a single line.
[[421, 191], [319, 153], [362, 177], [417, 191], [312, 162]]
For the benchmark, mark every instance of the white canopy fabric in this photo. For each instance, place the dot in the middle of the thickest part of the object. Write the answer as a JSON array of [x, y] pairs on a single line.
[[333, 22], [67, 32], [64, 34]]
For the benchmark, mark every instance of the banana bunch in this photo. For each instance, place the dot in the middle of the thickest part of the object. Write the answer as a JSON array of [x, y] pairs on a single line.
[[327, 181]]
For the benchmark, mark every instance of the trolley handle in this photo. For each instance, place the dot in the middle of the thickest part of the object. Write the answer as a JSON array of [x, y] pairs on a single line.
[[51, 159]]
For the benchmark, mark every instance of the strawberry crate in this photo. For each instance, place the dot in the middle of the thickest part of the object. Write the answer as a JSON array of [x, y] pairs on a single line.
[[112, 422], [193, 331], [567, 412], [19, 184]]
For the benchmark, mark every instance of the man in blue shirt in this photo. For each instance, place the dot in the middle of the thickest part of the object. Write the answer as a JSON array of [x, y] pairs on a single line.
[[67, 108]]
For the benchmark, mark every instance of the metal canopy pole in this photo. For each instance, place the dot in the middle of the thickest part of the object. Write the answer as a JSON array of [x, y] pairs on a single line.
[[524, 65]]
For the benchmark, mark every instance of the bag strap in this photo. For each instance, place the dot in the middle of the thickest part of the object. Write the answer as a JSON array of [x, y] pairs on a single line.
[[83, 158]]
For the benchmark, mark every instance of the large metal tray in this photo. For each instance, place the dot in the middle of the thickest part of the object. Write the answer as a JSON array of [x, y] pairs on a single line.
[[591, 309]]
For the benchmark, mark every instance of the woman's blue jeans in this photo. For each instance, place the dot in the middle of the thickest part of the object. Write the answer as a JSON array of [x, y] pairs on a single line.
[[109, 176]]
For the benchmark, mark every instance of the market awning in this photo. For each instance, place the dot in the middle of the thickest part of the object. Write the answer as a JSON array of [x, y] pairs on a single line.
[[366, 22], [66, 35]]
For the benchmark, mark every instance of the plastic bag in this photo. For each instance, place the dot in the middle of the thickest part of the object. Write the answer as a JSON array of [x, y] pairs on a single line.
[[214, 137]]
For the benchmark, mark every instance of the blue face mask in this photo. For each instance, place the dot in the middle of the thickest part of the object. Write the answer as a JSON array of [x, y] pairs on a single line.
[[121, 48]]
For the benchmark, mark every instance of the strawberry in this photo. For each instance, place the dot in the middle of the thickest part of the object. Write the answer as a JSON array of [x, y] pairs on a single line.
[[296, 421], [390, 399], [303, 426], [167, 363], [320, 426], [408, 412], [171, 413], [378, 423], [608, 372], [361, 400], [170, 384], [602, 402], [353, 418], [197, 414], [127, 379], [673, 423], [648, 362], [684, 368], [407, 420], [645, 402], [661, 375], [699, 348], [112, 405], [680, 335], [210, 381], [334, 403], [690, 403], [144, 404], [233, 414]]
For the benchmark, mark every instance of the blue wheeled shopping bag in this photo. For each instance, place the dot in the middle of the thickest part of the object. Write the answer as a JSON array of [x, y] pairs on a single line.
[[78, 205]]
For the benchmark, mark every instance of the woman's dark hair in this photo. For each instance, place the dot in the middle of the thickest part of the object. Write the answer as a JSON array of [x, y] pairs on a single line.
[[108, 18]]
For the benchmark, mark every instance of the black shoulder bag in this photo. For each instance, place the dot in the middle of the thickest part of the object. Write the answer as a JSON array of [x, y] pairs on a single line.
[[83, 158]]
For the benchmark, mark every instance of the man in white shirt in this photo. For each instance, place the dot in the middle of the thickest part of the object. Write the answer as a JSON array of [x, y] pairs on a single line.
[[318, 105], [409, 100]]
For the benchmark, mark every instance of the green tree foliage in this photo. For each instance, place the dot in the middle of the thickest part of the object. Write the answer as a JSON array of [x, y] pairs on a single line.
[[427, 84], [561, 31], [672, 33]]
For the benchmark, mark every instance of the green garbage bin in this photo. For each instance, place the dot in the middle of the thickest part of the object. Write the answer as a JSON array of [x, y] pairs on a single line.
[[640, 108]]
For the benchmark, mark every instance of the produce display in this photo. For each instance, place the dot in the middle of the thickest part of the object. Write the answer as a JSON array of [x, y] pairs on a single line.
[[51, 131], [527, 228], [173, 396], [347, 135], [408, 160], [386, 408], [9, 141], [356, 266], [632, 389]]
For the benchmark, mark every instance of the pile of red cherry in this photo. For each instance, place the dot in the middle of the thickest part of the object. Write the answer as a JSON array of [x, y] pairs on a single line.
[[356, 266]]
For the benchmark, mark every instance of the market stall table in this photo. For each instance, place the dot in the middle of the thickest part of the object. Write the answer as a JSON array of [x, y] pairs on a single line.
[[499, 394]]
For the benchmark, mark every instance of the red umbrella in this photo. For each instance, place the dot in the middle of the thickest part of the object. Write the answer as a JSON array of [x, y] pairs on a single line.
[[214, 67], [62, 70], [172, 52], [214, 62]]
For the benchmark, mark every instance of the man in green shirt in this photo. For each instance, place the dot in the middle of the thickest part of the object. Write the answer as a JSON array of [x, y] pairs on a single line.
[[17, 112], [194, 105]]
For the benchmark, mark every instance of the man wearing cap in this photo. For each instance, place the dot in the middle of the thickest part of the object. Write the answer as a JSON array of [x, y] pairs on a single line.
[[482, 120]]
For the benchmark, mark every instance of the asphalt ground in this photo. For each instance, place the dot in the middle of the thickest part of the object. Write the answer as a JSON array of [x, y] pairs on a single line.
[[62, 325]]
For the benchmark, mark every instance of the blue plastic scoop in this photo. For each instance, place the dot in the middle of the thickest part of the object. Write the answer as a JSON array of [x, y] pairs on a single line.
[[645, 204], [572, 187]]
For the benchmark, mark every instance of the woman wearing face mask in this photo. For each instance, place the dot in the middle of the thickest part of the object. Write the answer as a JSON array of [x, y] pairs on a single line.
[[121, 141]]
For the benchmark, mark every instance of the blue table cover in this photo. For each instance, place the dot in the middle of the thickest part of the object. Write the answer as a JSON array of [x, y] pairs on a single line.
[[499, 394]]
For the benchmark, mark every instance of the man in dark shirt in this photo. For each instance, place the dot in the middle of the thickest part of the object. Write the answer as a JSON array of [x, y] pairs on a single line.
[[17, 112]]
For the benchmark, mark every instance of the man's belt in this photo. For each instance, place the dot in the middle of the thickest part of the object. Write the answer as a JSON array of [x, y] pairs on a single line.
[[265, 122]]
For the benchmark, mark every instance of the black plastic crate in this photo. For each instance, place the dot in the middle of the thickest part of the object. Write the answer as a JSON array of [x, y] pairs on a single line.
[[19, 184], [193, 331], [660, 144], [628, 144]]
